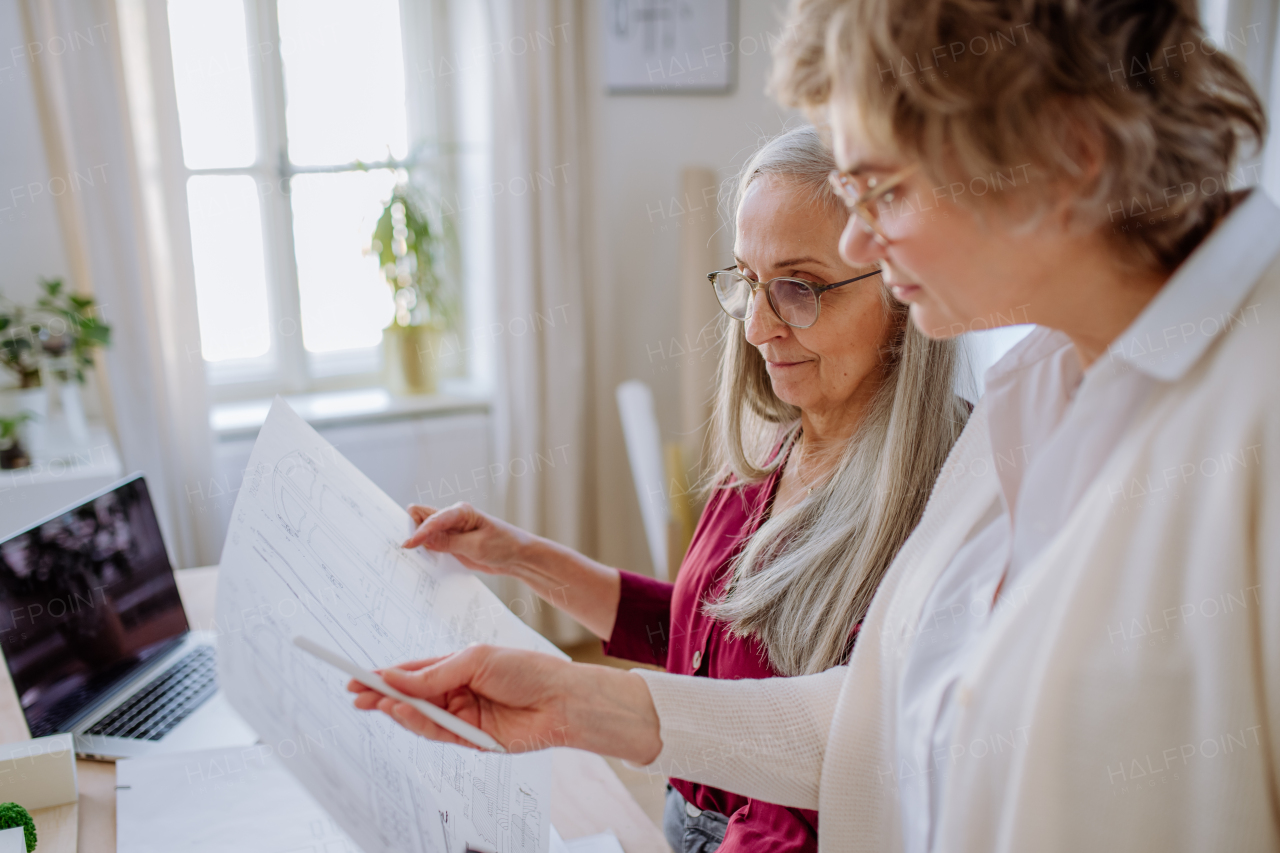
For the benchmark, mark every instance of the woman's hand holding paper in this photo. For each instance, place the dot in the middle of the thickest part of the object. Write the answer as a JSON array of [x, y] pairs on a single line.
[[526, 701], [478, 540], [586, 590]]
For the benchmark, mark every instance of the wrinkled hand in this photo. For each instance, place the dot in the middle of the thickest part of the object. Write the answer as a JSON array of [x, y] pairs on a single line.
[[525, 701], [478, 540], [515, 696]]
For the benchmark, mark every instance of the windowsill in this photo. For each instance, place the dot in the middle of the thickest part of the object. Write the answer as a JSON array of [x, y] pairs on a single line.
[[334, 408], [96, 458]]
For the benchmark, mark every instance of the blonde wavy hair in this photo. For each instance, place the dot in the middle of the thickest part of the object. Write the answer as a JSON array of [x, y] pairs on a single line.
[[807, 576], [976, 87]]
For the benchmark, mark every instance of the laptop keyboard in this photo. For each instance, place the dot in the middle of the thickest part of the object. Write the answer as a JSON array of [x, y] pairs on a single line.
[[169, 699]]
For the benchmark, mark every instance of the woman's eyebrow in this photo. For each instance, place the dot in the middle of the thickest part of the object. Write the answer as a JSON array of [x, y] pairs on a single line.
[[801, 261], [788, 262]]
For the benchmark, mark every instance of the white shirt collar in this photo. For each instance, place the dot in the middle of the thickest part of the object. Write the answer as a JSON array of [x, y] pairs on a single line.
[[1201, 299], [1205, 294]]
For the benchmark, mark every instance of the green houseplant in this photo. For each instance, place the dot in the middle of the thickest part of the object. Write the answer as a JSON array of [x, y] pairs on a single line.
[[12, 453], [73, 332], [11, 815], [20, 345], [23, 395], [72, 329], [412, 249], [50, 342]]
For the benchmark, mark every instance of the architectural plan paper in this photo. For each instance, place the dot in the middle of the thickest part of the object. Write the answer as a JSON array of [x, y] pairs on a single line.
[[215, 800], [314, 549]]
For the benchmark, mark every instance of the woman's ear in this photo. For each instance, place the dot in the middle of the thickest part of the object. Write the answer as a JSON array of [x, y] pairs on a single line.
[[1080, 154]]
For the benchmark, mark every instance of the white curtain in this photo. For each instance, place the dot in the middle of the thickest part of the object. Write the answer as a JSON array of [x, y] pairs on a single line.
[[541, 372], [1250, 31], [152, 376]]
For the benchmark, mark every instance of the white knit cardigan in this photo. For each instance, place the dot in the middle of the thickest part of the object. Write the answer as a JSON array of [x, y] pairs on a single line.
[[1131, 700]]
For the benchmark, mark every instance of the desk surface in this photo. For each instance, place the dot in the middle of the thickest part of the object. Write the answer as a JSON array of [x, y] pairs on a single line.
[[586, 797]]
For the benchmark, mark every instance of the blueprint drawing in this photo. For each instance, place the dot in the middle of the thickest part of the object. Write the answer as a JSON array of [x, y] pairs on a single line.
[[314, 549]]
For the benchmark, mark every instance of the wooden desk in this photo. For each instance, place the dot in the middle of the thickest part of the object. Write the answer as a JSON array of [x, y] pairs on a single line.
[[586, 796]]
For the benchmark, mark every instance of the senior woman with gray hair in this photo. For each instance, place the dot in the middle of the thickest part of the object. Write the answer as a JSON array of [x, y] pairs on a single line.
[[832, 418]]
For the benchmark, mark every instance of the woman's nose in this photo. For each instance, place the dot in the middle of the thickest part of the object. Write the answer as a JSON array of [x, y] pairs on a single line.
[[858, 244], [762, 323]]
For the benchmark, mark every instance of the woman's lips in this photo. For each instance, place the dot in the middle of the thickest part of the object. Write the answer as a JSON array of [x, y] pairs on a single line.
[[904, 292], [779, 365]]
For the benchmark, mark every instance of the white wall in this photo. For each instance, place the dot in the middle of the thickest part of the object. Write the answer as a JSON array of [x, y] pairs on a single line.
[[637, 146], [30, 237]]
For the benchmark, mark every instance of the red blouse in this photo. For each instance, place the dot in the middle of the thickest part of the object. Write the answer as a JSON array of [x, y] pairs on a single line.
[[664, 624]]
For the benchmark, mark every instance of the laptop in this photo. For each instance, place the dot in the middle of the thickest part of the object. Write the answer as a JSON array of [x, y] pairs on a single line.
[[95, 637]]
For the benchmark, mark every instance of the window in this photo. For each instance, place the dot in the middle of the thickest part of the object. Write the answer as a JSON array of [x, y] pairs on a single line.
[[294, 129]]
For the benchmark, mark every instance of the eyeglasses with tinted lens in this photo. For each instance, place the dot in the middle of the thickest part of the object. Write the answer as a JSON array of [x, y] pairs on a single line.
[[795, 301], [864, 204]]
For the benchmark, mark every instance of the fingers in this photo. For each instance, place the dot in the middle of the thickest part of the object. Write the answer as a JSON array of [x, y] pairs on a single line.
[[439, 678], [420, 512], [368, 700], [436, 526], [416, 722], [360, 688], [415, 665]]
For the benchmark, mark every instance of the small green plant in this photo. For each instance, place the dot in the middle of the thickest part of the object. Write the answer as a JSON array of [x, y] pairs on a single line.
[[12, 453], [62, 329], [9, 426], [12, 814], [411, 252], [20, 345], [71, 327]]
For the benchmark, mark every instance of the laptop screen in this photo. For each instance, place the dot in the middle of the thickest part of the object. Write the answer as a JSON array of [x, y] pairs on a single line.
[[85, 599]]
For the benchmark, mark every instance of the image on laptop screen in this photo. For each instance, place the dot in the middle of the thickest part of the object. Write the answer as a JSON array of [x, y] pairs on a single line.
[[86, 598]]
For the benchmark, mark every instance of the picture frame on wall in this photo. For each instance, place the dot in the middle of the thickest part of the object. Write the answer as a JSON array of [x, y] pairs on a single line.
[[665, 47]]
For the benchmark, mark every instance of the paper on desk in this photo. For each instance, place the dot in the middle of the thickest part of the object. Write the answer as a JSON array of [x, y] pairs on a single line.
[[314, 549], [603, 842], [241, 799]]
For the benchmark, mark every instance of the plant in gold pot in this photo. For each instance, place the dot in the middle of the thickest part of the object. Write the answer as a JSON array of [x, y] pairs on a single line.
[[412, 248]]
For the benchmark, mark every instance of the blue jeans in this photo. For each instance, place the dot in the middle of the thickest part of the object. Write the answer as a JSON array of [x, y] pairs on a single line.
[[689, 829]]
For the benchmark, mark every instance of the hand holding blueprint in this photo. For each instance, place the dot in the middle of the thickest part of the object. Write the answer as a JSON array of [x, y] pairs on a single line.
[[313, 549]]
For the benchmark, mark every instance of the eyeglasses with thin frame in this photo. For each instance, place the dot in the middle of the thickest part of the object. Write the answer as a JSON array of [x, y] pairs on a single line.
[[795, 301], [863, 203]]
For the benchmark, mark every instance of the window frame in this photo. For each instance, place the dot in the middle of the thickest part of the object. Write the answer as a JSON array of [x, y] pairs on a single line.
[[287, 367]]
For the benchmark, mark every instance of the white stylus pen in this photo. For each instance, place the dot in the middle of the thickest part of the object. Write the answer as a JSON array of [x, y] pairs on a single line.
[[439, 716]]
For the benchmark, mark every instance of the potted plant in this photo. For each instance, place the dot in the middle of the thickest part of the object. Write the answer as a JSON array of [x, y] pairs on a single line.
[[72, 333], [20, 345], [12, 453], [411, 249], [52, 341], [21, 357]]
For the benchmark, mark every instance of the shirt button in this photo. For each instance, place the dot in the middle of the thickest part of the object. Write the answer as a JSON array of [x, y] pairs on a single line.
[[697, 660]]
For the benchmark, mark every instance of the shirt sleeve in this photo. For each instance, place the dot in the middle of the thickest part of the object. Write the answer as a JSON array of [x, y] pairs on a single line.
[[765, 739], [642, 627]]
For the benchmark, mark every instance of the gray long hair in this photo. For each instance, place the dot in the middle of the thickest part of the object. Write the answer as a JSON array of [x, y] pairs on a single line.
[[807, 576]]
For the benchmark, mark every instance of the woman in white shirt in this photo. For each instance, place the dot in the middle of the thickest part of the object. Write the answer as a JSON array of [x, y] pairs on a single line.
[[1079, 647]]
